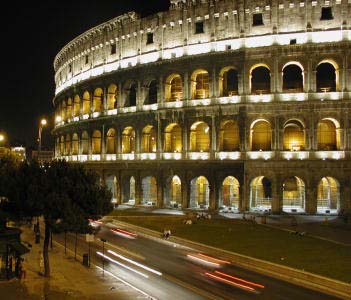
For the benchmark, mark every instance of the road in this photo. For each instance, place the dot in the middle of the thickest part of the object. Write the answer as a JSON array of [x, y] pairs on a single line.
[[183, 277]]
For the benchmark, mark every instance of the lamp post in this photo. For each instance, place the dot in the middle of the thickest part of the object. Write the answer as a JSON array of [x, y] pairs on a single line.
[[42, 123]]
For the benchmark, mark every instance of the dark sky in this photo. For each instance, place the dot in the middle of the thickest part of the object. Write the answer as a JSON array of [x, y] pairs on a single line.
[[33, 32]]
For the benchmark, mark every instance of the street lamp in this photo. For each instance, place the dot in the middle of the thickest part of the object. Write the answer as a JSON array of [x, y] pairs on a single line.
[[42, 123], [2, 137]]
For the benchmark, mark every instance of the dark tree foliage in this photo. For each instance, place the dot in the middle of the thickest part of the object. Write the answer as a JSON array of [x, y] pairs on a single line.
[[64, 195]]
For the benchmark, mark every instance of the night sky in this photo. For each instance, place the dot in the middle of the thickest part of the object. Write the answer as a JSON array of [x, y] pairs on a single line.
[[32, 34]]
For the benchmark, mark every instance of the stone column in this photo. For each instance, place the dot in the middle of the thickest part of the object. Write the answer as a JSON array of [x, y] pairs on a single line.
[[185, 139], [160, 190], [213, 149], [104, 100], [120, 96], [185, 193], [240, 84], [138, 189], [213, 83], [277, 196], [160, 92], [186, 94], [345, 195], [213, 204], [311, 197]]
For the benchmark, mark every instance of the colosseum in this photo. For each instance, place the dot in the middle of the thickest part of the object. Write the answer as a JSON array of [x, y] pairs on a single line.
[[242, 105]]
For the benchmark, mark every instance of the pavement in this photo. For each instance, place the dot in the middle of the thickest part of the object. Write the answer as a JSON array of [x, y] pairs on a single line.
[[69, 280]]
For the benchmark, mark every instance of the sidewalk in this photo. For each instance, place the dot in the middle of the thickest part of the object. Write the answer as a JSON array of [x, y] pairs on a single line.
[[69, 280]]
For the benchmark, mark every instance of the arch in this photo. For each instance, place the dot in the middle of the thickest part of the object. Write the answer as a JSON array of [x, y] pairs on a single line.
[[174, 88], [149, 140], [173, 192], [229, 139], [328, 135], [173, 138], [86, 103], [152, 93], [260, 79], [294, 195], [228, 82], [200, 137], [293, 136], [76, 106], [328, 195], [63, 110], [85, 143], [327, 76], [131, 97], [97, 100], [293, 78], [261, 194], [149, 187], [75, 144], [199, 193], [200, 88], [113, 185], [62, 145], [261, 136], [112, 97], [128, 140], [96, 142], [111, 141], [230, 193], [69, 108]]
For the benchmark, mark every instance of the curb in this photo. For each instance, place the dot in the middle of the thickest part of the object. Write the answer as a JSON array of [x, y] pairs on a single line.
[[301, 278]]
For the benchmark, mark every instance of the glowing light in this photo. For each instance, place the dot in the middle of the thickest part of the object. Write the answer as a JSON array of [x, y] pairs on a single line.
[[122, 265], [230, 282], [83, 158], [135, 263], [203, 260], [228, 155], [239, 279], [96, 157], [43, 122], [85, 117], [128, 156], [260, 155], [58, 119], [213, 259], [111, 157], [112, 112], [96, 114], [124, 233]]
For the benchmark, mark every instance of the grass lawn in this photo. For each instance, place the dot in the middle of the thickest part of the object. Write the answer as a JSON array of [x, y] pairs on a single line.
[[301, 252]]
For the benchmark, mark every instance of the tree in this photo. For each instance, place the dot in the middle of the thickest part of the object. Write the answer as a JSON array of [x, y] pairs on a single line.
[[64, 195]]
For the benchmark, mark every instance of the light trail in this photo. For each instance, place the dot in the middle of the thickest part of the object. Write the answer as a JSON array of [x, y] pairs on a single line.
[[127, 283], [231, 282], [122, 265], [203, 260], [239, 279], [135, 263], [215, 259]]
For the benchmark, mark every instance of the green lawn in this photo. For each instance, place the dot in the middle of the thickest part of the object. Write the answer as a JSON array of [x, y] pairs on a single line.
[[301, 252]]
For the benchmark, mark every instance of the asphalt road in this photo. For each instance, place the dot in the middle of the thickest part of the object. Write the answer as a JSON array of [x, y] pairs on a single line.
[[182, 277]]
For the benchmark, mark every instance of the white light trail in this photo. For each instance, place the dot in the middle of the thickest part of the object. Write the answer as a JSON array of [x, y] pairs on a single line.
[[135, 263], [122, 265]]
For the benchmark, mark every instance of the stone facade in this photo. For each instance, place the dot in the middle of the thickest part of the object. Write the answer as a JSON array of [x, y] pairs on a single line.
[[213, 103]]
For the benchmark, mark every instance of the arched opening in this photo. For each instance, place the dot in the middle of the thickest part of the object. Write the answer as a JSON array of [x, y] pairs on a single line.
[[85, 143], [294, 136], [173, 138], [152, 93], [149, 140], [228, 82], [230, 193], [68, 145], [328, 138], [173, 193], [199, 193], [326, 77], [97, 100], [200, 137], [261, 194], [200, 84], [131, 96], [75, 144], [86, 103], [112, 97], [260, 80], [328, 196], [293, 195], [128, 140], [149, 187], [261, 136], [63, 110], [69, 108], [62, 146], [96, 142], [229, 139], [111, 142], [76, 106], [292, 79], [113, 186], [174, 88]]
